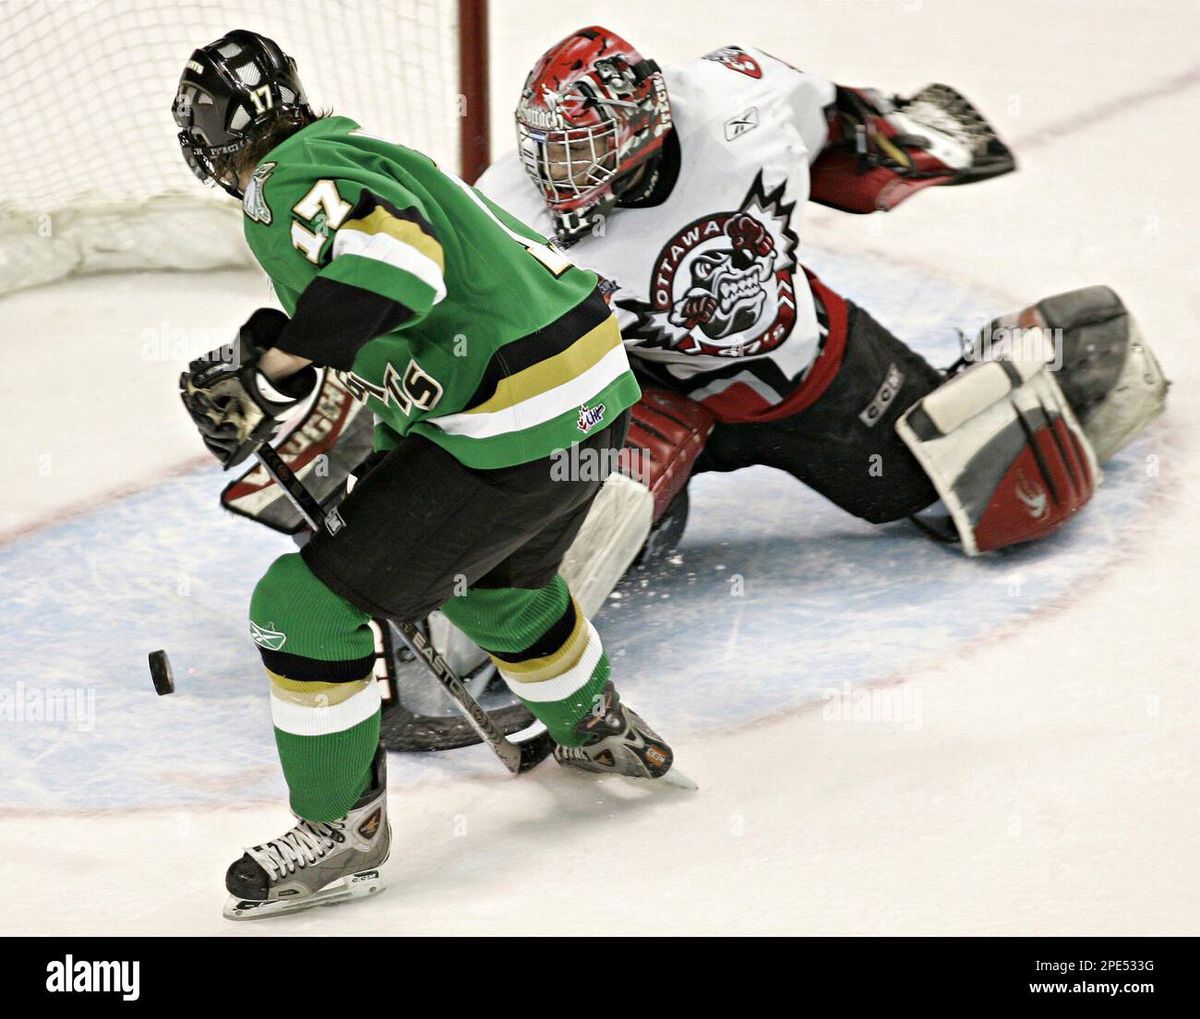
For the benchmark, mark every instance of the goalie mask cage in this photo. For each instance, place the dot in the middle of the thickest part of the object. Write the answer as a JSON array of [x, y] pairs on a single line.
[[91, 176]]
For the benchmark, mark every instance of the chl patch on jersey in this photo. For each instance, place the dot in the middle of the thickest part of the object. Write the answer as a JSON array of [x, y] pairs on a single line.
[[589, 417], [254, 201], [334, 521], [736, 59], [723, 284], [737, 126], [892, 382]]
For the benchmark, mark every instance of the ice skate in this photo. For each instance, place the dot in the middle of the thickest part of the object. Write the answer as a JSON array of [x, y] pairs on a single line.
[[317, 863], [618, 742]]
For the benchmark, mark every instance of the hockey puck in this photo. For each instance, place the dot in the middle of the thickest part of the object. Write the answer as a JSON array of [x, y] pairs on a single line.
[[160, 672]]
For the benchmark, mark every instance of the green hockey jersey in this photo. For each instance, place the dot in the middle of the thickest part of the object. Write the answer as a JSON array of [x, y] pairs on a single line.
[[449, 318]]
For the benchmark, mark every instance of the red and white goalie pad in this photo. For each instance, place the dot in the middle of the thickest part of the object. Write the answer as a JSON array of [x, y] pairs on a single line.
[[1004, 451], [881, 151], [666, 435], [667, 432], [1107, 371]]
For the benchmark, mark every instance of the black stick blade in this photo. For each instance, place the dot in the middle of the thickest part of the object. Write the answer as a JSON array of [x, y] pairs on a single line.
[[160, 672], [535, 750]]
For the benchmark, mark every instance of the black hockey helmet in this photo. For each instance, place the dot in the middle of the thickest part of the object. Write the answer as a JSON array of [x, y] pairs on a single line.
[[230, 90]]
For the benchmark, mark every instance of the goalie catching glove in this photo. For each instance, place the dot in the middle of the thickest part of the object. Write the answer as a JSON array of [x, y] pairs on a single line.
[[881, 151], [235, 406]]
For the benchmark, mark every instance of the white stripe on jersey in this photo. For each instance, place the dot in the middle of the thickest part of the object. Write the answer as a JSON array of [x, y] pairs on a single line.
[[381, 247], [746, 379], [540, 408]]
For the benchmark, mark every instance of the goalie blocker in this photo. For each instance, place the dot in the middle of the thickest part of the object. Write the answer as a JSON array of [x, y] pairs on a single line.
[[1004, 452], [1014, 454]]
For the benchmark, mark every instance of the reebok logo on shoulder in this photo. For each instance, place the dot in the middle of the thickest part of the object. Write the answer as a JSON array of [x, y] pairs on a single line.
[[737, 126], [272, 640]]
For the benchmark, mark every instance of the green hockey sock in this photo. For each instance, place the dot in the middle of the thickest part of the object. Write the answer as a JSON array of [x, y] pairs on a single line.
[[319, 652], [547, 651]]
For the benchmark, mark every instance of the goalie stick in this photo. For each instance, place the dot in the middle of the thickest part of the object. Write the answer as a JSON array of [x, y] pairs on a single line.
[[517, 757]]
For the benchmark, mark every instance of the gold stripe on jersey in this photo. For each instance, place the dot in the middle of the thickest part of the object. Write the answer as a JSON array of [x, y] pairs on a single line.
[[408, 231], [585, 353]]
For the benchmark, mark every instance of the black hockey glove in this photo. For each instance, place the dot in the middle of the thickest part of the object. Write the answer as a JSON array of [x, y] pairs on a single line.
[[235, 407]]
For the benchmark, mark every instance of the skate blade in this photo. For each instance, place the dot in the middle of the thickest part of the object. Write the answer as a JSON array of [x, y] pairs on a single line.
[[677, 780], [356, 886], [673, 778]]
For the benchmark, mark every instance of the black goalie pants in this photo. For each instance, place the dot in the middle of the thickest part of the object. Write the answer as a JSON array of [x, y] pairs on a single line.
[[845, 445]]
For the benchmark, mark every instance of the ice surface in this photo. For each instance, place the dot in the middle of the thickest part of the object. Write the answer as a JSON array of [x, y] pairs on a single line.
[[888, 737]]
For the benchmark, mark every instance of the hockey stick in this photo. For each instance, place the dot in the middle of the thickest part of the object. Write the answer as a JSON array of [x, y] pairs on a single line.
[[406, 731], [517, 757]]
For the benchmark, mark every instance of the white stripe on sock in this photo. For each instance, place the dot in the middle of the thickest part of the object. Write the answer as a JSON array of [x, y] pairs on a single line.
[[306, 720], [563, 685]]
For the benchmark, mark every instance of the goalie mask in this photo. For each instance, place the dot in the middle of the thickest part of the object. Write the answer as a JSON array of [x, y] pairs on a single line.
[[229, 92], [592, 112]]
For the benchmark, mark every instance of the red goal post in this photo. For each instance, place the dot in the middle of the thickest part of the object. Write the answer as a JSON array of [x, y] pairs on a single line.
[[474, 136]]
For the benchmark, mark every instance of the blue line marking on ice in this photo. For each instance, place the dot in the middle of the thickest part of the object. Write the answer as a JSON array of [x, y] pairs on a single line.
[[775, 596]]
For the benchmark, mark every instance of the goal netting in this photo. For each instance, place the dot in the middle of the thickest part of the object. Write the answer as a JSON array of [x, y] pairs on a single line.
[[91, 177]]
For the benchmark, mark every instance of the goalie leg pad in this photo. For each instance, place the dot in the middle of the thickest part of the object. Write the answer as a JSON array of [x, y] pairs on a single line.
[[1105, 368], [667, 433], [613, 532], [1005, 452]]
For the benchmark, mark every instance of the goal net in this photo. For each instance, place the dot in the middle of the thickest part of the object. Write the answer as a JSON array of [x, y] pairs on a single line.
[[91, 177]]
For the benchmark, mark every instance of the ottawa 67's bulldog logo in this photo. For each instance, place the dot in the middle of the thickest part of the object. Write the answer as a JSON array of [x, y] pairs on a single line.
[[723, 284]]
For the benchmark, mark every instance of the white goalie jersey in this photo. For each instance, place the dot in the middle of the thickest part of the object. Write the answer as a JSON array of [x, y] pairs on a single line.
[[710, 294]]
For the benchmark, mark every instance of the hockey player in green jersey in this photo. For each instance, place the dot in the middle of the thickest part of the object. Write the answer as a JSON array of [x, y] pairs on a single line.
[[484, 354]]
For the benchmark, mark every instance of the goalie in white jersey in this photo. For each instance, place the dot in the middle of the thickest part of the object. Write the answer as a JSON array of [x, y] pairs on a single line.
[[684, 187]]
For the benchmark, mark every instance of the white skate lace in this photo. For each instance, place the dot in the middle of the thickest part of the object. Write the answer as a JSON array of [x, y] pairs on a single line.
[[307, 843]]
